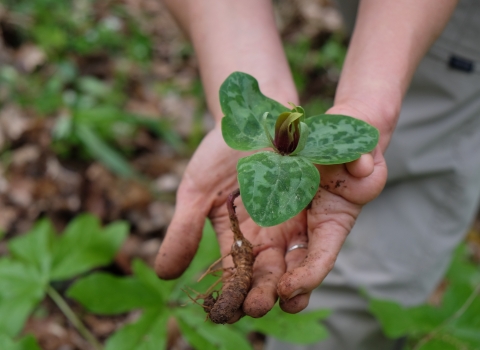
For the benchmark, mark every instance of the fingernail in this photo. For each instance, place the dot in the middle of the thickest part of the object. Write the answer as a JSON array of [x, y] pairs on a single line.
[[294, 294]]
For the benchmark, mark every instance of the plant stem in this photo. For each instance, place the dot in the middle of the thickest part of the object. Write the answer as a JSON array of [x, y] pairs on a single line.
[[72, 317], [235, 226]]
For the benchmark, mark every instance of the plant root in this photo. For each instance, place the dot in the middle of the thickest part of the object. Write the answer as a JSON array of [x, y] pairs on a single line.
[[222, 308]]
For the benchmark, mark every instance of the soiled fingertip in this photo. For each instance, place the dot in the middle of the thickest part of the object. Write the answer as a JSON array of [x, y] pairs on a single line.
[[362, 167], [168, 267], [258, 303], [295, 304], [177, 249], [237, 316], [288, 287]]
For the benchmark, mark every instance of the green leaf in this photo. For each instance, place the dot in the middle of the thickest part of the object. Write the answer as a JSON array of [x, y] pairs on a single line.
[[208, 252], [35, 247], [461, 270], [28, 343], [337, 139], [275, 188], [148, 333], [302, 328], [151, 281], [21, 288], [84, 245], [106, 294], [265, 125], [454, 297], [103, 152], [7, 343], [193, 337], [445, 343], [425, 318], [470, 334], [244, 105], [223, 337], [395, 320], [40, 256]]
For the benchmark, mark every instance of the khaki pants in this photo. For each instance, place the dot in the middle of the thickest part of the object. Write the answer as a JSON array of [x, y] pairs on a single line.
[[402, 242]]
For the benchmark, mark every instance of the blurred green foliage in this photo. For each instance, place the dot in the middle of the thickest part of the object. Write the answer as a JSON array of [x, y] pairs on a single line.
[[88, 106], [63, 28], [453, 324]]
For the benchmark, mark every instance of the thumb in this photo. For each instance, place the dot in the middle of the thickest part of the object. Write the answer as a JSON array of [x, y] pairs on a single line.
[[362, 167], [183, 235]]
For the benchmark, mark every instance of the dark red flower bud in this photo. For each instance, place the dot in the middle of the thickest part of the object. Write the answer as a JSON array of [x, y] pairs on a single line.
[[287, 132]]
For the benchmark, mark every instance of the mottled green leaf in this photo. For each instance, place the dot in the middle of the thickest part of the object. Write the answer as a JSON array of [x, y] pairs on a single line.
[[244, 105], [337, 139], [85, 245], [148, 333], [302, 328], [265, 125], [275, 188]]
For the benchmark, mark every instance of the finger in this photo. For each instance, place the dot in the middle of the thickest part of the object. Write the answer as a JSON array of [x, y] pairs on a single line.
[[319, 261], [362, 167], [328, 228], [336, 179], [295, 257], [269, 266], [293, 260], [238, 315], [183, 236], [295, 304]]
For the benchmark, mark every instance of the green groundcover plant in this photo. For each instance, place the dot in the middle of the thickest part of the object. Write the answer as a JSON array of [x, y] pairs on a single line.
[[453, 324], [276, 185], [39, 260]]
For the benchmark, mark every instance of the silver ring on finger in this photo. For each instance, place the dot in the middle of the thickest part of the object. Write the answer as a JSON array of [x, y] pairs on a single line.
[[297, 246]]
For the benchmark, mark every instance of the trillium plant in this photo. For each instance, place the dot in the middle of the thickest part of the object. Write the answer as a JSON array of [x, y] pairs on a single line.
[[276, 185]]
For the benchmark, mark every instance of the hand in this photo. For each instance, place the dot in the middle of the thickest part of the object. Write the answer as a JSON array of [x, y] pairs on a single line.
[[211, 176]]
